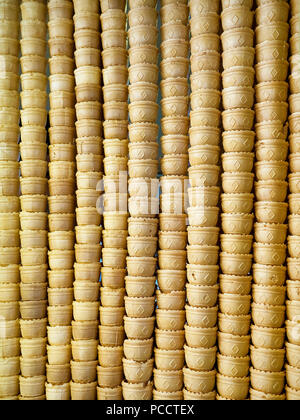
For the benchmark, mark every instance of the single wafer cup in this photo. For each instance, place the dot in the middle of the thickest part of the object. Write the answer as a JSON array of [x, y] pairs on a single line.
[[164, 342], [237, 182], [178, 13], [9, 64], [61, 65], [273, 212], [139, 307], [60, 10], [205, 79], [267, 338], [88, 92], [113, 19], [85, 330], [292, 308], [269, 275], [200, 359], [236, 305], [137, 391], [143, 91], [237, 162], [87, 38], [199, 382], [237, 17], [142, 35], [170, 320], [269, 50], [292, 287], [114, 56], [234, 324], [174, 106], [137, 372], [237, 37], [171, 301], [143, 73], [9, 387], [271, 150], [171, 280], [233, 345], [83, 392], [206, 98], [238, 119], [271, 170], [84, 372], [268, 316], [266, 13], [138, 350], [202, 255], [235, 285], [140, 286], [234, 97], [113, 38], [109, 393], [174, 48], [271, 190], [201, 317], [233, 388], [174, 67], [237, 203], [243, 56], [267, 359], [142, 16], [271, 91], [267, 382], [61, 46], [174, 30], [84, 350], [32, 387], [168, 381], [31, 28], [9, 81], [139, 328], [140, 55], [234, 264], [272, 32], [233, 366], [267, 111], [270, 233]]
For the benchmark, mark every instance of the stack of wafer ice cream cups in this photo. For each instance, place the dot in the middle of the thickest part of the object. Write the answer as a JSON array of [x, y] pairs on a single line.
[[170, 314], [269, 272], [203, 233], [9, 202], [34, 190], [89, 160], [61, 199], [292, 345], [143, 202], [236, 200], [114, 253]]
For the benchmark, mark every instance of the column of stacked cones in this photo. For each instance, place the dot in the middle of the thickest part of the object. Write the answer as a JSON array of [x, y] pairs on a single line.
[[293, 263], [9, 202], [203, 233], [237, 201], [114, 253], [61, 200], [89, 161], [171, 297], [142, 229], [269, 271], [34, 190]]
